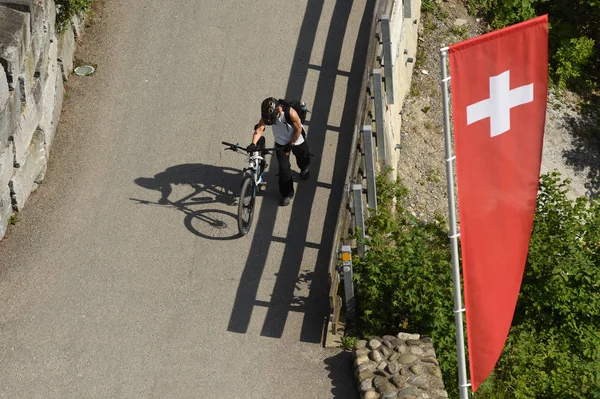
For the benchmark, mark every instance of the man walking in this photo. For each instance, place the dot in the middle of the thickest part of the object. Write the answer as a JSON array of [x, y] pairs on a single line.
[[289, 136]]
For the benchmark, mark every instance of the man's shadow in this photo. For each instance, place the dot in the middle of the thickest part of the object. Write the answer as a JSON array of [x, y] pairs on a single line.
[[208, 184]]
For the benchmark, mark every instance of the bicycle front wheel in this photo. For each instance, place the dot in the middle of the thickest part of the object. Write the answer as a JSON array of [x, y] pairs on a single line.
[[246, 205]]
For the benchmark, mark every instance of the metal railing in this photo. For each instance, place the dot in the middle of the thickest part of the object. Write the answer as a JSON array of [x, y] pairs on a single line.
[[366, 149]]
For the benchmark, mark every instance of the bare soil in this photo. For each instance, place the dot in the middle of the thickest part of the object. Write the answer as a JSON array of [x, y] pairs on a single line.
[[570, 144]]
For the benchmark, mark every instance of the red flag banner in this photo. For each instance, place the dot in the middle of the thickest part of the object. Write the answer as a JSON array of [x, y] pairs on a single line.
[[499, 89]]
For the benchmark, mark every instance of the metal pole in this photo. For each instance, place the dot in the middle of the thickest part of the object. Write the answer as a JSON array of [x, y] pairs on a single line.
[[387, 57], [359, 216], [370, 167], [348, 283], [379, 122], [463, 385]]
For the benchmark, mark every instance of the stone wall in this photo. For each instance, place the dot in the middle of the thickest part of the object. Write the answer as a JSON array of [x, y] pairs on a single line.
[[403, 367], [35, 62]]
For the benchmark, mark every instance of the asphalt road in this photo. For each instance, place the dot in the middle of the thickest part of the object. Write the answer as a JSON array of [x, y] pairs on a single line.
[[107, 293]]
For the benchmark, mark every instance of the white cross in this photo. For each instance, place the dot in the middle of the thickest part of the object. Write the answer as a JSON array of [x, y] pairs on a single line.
[[498, 106]]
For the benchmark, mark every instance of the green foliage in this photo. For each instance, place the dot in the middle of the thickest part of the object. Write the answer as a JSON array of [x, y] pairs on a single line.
[[574, 34], [67, 9], [553, 349], [571, 59], [13, 219], [404, 282], [460, 31], [508, 12], [348, 342], [427, 6]]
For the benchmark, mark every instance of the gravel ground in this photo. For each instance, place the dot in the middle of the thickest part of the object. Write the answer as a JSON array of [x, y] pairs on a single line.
[[568, 145]]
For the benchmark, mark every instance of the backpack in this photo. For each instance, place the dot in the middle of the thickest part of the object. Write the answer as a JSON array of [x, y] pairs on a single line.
[[299, 107]]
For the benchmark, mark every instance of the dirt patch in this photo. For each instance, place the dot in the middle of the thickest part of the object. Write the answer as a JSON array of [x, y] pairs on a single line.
[[569, 147], [422, 164]]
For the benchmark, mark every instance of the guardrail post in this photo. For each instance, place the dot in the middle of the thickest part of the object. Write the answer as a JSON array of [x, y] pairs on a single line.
[[359, 216], [335, 303], [387, 58], [407, 8], [370, 167], [348, 283], [379, 123]]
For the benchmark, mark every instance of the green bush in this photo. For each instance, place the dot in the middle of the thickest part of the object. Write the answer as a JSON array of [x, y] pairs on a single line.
[[427, 6], [573, 25], [571, 59], [553, 349], [501, 13], [66, 9], [404, 283]]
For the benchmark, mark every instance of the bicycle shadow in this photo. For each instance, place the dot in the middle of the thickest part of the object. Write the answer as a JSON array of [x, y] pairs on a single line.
[[208, 184]]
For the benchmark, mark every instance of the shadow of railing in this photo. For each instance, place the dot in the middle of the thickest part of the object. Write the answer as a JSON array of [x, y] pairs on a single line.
[[315, 307]]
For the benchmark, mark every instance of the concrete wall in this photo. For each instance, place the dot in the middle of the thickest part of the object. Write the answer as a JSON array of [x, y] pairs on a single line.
[[403, 27], [35, 62]]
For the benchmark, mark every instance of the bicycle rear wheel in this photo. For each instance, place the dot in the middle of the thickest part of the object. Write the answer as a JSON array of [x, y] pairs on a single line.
[[246, 205]]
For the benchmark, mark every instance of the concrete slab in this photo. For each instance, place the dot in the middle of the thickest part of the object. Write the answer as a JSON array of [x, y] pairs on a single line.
[[14, 36], [10, 114], [26, 128], [66, 49], [30, 174], [4, 95], [6, 209], [6, 164], [52, 103]]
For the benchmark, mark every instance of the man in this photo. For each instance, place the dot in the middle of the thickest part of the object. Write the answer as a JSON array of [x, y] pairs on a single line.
[[289, 136]]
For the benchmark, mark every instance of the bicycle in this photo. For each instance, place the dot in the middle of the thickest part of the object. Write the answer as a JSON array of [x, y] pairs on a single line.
[[252, 183]]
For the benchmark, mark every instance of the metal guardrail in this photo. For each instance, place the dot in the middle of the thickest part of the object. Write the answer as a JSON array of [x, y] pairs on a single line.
[[361, 165]]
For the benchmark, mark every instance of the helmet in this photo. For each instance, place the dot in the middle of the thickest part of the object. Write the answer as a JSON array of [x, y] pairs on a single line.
[[268, 110]]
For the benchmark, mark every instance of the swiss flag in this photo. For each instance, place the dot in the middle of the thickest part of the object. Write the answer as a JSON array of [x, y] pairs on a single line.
[[499, 89]]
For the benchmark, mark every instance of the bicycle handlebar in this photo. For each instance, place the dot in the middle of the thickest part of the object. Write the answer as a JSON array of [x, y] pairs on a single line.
[[236, 147]]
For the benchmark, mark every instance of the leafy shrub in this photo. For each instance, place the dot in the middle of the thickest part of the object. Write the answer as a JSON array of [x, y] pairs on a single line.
[[572, 24], [404, 282], [67, 9], [553, 349], [501, 13], [571, 59], [427, 5]]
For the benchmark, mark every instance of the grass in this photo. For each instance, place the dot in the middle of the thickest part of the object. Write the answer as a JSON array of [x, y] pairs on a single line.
[[427, 6], [429, 26], [421, 58], [415, 91], [460, 31], [348, 342], [432, 176]]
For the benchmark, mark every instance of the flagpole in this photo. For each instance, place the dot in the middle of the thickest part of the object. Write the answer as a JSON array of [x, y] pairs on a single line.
[[463, 385]]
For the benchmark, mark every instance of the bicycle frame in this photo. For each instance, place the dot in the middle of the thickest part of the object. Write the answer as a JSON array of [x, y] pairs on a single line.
[[252, 183], [255, 159], [254, 166]]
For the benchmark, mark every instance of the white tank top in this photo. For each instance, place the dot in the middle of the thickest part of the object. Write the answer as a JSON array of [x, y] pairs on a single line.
[[284, 131]]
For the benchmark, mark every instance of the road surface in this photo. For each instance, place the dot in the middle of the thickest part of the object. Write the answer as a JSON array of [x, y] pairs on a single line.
[[123, 277]]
